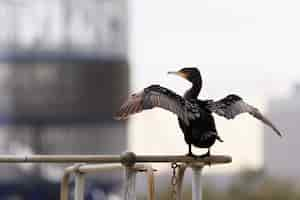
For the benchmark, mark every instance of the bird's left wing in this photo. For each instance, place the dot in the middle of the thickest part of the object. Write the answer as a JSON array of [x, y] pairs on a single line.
[[157, 96], [233, 105]]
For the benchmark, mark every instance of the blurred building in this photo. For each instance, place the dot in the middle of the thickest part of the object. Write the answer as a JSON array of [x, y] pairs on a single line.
[[281, 155], [63, 73]]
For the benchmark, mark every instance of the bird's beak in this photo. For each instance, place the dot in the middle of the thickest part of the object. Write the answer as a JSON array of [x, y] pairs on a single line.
[[179, 73]]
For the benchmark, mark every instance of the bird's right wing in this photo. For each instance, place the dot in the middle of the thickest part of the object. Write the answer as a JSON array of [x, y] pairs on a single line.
[[157, 96]]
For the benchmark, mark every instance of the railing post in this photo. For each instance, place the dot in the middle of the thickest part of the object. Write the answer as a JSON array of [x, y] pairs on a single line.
[[128, 159], [181, 170], [197, 182], [79, 186], [129, 188], [151, 183], [64, 188]]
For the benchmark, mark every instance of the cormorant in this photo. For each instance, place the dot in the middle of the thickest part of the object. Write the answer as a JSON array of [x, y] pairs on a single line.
[[194, 115]]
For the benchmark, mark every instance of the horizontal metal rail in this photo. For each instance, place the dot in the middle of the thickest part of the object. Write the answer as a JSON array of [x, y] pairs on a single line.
[[128, 161], [128, 158]]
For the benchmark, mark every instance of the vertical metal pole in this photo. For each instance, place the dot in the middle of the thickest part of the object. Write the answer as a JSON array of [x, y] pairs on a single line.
[[79, 186], [181, 170], [129, 187], [197, 183], [64, 187], [151, 183]]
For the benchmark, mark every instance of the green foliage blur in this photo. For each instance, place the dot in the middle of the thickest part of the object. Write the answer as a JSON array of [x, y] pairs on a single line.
[[247, 185]]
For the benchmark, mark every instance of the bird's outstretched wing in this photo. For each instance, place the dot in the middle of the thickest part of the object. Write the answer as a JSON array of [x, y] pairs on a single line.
[[233, 105], [157, 96]]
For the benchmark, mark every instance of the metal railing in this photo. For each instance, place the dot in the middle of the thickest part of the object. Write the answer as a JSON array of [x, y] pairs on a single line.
[[132, 164]]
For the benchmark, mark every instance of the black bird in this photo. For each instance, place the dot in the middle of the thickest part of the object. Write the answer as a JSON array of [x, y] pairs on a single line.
[[194, 115]]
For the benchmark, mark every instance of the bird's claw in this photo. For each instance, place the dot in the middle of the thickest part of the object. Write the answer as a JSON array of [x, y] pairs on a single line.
[[205, 156], [190, 154]]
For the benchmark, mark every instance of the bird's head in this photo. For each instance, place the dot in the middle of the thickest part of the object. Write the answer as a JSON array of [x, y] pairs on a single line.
[[191, 74]]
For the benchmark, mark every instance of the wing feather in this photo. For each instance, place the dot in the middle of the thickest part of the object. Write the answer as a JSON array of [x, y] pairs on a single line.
[[157, 96], [233, 105]]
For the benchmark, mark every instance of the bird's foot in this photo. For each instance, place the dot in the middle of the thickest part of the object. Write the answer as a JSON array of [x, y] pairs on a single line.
[[205, 156], [190, 154]]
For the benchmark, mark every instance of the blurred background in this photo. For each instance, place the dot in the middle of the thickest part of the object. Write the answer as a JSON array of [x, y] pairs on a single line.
[[64, 70], [67, 65]]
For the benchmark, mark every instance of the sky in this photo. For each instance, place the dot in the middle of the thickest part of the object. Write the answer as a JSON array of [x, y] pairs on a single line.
[[250, 48]]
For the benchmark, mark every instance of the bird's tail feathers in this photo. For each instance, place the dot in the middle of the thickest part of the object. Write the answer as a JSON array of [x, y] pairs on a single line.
[[218, 138]]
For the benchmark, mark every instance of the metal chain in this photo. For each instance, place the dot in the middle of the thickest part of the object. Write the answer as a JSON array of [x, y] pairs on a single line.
[[174, 181]]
